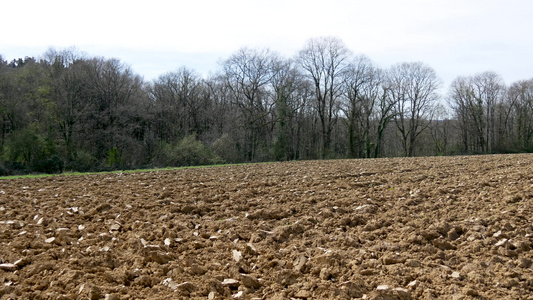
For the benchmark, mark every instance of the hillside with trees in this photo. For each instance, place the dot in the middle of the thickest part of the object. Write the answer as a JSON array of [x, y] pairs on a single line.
[[66, 111]]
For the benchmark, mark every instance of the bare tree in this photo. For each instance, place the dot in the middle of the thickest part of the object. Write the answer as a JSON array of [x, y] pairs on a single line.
[[474, 100], [489, 89], [384, 111], [248, 73], [323, 61], [413, 86], [291, 95], [8, 100], [69, 92], [366, 107], [441, 130], [178, 105], [521, 94], [115, 123]]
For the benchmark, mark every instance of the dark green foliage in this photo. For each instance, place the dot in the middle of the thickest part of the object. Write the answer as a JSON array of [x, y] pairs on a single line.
[[3, 170], [50, 165], [29, 151]]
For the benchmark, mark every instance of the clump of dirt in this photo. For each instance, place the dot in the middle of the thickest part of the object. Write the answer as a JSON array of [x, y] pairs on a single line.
[[403, 228]]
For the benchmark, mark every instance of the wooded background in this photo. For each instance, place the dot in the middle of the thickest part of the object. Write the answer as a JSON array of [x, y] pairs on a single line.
[[69, 112]]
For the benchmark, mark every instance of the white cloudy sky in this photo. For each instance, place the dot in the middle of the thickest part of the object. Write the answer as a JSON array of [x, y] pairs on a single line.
[[455, 37]]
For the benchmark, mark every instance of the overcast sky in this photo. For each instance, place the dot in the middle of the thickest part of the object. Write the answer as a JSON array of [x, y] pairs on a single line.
[[455, 37]]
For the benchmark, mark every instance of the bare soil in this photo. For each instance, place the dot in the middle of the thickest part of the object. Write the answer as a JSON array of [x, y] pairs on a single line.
[[402, 228]]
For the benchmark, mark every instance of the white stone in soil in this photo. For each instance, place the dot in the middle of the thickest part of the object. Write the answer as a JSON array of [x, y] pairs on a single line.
[[8, 267], [501, 242], [238, 295], [230, 282], [237, 255]]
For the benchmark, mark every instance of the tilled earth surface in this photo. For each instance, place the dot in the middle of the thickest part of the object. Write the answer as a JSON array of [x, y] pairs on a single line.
[[403, 228]]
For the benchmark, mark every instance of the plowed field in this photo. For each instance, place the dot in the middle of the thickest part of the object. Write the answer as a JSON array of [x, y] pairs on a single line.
[[403, 228]]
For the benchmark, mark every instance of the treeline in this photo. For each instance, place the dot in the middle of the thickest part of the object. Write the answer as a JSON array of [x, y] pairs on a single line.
[[68, 111]]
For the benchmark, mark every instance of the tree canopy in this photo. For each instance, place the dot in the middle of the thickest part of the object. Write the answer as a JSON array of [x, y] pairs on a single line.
[[68, 111]]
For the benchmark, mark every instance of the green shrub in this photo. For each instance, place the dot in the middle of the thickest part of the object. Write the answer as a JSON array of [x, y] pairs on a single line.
[[187, 152], [224, 147], [113, 157], [28, 151], [25, 146], [81, 161]]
